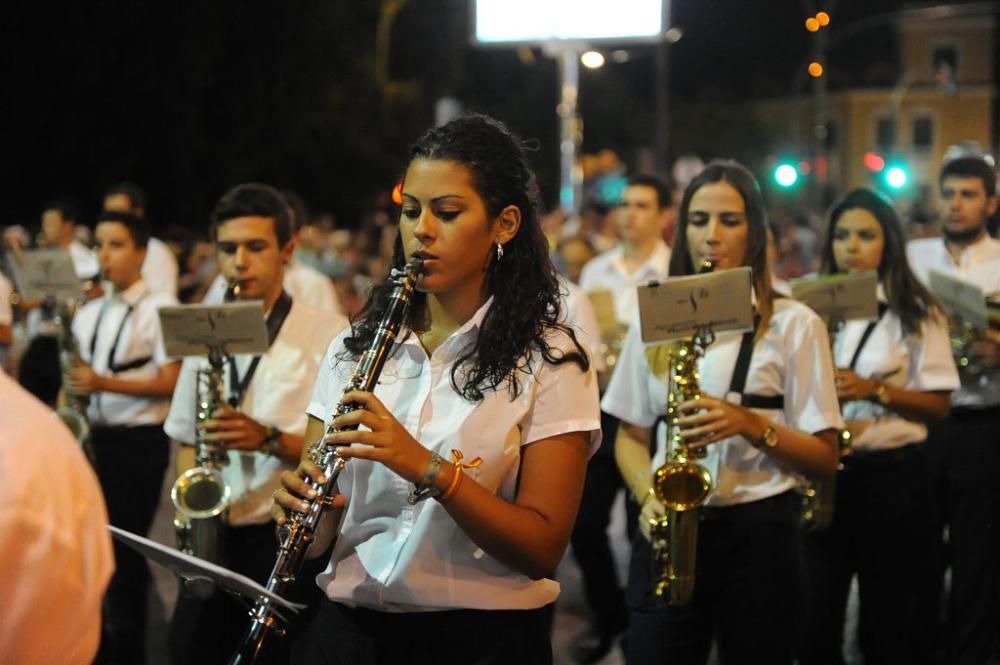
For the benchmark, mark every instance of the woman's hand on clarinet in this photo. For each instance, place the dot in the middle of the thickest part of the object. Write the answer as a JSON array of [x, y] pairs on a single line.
[[295, 494], [385, 440], [709, 419]]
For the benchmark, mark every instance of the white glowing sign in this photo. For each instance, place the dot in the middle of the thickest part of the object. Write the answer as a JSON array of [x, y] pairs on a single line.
[[511, 21]]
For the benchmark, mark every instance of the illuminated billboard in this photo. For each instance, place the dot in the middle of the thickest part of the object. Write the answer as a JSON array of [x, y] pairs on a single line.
[[540, 21]]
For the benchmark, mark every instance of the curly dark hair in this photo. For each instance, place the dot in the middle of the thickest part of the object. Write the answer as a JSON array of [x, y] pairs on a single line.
[[908, 298], [526, 297]]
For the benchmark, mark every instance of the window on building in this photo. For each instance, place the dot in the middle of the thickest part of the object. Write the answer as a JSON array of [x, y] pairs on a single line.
[[885, 133], [923, 133], [944, 62], [832, 139]]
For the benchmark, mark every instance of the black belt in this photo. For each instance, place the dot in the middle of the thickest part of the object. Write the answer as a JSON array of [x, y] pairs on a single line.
[[882, 458], [786, 504]]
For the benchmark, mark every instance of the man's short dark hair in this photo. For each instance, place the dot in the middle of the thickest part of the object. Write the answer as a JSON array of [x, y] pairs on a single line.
[[136, 197], [662, 187], [64, 207], [970, 167], [254, 199], [300, 215], [137, 226]]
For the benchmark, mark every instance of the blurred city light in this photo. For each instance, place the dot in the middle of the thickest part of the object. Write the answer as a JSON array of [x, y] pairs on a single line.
[[896, 177], [592, 59], [674, 35], [397, 193], [874, 162], [620, 56], [823, 19], [815, 69], [785, 175], [812, 25]]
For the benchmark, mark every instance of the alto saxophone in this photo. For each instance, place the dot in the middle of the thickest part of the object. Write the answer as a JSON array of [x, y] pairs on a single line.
[[819, 494], [73, 407], [681, 484], [299, 531], [201, 494]]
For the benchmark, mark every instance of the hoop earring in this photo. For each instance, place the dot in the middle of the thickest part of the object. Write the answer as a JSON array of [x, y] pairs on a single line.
[[499, 252]]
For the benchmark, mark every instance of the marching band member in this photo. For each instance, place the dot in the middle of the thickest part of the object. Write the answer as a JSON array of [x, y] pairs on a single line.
[[964, 458], [440, 560], [893, 375], [263, 423], [129, 379], [750, 578]]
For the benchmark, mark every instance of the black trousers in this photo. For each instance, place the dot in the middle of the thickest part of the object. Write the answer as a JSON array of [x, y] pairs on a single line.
[[341, 635], [207, 631], [130, 463], [881, 533], [591, 547], [749, 591], [964, 458]]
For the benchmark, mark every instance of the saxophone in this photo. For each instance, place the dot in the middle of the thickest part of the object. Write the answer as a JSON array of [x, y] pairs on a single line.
[[819, 494], [200, 494], [299, 531], [72, 408], [681, 484]]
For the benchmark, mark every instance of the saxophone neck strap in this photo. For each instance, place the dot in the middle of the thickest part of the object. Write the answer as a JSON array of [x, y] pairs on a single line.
[[739, 381], [882, 308], [113, 366], [238, 386]]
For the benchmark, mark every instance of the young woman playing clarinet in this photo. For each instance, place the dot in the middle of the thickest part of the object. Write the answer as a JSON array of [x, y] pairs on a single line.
[[462, 484], [893, 375], [767, 413]]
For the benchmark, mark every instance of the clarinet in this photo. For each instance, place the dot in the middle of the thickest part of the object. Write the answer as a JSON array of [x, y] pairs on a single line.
[[298, 533]]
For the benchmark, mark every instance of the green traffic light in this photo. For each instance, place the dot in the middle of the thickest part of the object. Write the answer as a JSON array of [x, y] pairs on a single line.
[[786, 175], [895, 177]]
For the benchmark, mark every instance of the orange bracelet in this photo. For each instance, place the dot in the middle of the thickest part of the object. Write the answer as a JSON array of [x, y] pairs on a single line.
[[456, 479]]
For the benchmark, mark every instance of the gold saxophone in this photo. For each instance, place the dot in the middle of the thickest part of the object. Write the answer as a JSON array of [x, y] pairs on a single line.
[[819, 494], [200, 494], [681, 484], [72, 409]]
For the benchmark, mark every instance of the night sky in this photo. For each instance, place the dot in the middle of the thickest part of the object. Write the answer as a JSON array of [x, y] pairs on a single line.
[[189, 99]]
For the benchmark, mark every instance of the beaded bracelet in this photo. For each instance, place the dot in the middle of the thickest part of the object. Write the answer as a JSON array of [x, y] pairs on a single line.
[[426, 488]]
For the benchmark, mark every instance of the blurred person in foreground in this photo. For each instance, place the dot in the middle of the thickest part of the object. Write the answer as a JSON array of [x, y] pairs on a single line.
[[55, 550]]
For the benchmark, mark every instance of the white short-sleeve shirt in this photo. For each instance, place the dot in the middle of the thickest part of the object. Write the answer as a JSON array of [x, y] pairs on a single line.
[[140, 337], [393, 556], [979, 264], [277, 395], [792, 359], [607, 272], [913, 362], [159, 268]]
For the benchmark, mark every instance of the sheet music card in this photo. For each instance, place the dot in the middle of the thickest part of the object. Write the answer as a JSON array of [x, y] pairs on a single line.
[[679, 306], [191, 330], [962, 300], [837, 298], [604, 310], [46, 272]]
